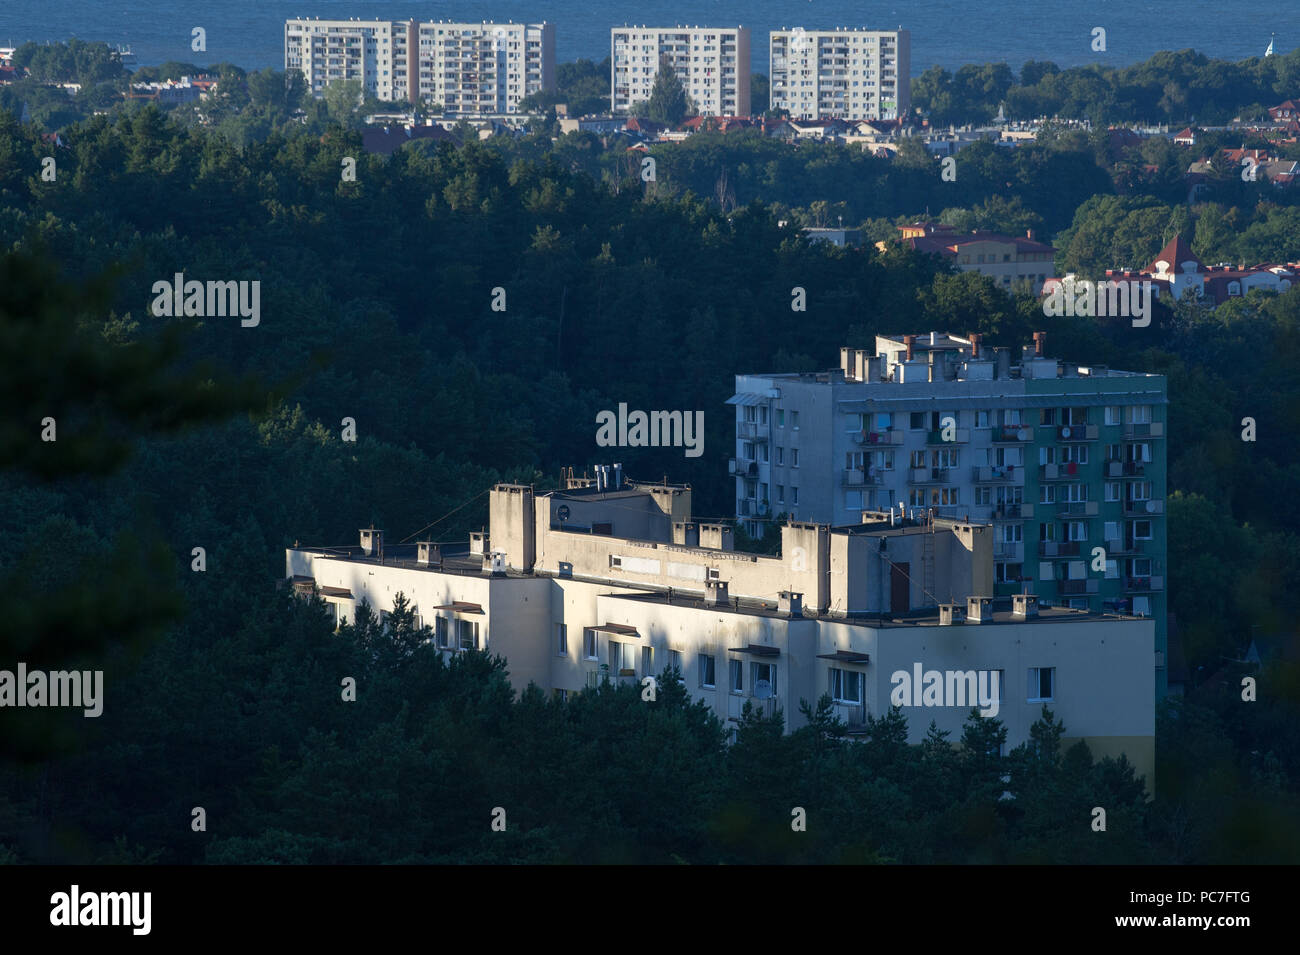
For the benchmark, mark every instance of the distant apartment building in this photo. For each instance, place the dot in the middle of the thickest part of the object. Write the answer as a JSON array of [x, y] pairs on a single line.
[[712, 64], [470, 68], [1060, 458], [612, 580], [841, 74], [1007, 259]]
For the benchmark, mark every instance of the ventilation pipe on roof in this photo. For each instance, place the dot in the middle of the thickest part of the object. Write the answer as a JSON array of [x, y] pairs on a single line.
[[1040, 344], [909, 340]]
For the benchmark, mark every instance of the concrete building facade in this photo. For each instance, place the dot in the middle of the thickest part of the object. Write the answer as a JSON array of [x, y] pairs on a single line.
[[470, 68], [613, 580], [712, 63], [841, 73], [1060, 459]]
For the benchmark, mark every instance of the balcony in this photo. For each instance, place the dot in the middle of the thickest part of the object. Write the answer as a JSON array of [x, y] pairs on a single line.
[[959, 436], [928, 475], [857, 477], [1114, 468], [854, 716], [742, 468], [764, 708], [1078, 432], [1077, 509], [1009, 588], [1122, 548], [1144, 507], [1132, 468], [1058, 548], [1144, 584], [1013, 551], [1049, 472], [878, 437], [1011, 434], [1087, 585], [1005, 512], [1153, 429], [988, 475], [752, 430]]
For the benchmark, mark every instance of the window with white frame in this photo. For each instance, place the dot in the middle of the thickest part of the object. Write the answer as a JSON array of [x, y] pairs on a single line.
[[708, 676], [983, 496], [763, 671], [467, 631], [440, 632], [1141, 530], [590, 644], [737, 681], [1112, 414], [562, 639], [846, 686], [1042, 684], [1139, 414], [1112, 490], [675, 661]]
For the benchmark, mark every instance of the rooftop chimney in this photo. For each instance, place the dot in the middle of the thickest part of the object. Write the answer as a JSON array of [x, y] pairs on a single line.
[[909, 340], [1024, 606], [1029, 234], [975, 338], [428, 554], [715, 593], [1040, 344], [979, 610], [372, 542], [790, 603]]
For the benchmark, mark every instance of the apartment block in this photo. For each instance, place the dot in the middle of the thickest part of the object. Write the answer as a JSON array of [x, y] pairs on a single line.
[[612, 580], [841, 73], [1007, 259], [713, 64], [470, 68], [1065, 461]]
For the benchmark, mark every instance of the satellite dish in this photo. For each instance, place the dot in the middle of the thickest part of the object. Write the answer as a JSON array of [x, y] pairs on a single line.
[[562, 512], [1151, 507], [763, 689], [1023, 434], [1065, 432]]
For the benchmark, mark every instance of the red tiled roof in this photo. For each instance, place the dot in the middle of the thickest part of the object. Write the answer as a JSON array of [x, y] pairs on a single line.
[[1175, 252]]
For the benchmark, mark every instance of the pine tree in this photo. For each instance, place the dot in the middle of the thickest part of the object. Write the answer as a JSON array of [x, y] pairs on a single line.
[[667, 97]]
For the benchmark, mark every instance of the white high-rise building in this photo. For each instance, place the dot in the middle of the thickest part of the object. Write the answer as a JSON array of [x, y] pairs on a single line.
[[468, 67], [711, 62], [841, 73]]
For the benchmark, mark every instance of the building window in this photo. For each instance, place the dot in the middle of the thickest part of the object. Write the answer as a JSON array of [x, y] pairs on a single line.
[[467, 630], [440, 631], [780, 494], [561, 696], [737, 681], [1112, 491], [1142, 530], [764, 671], [708, 677], [1139, 414], [981, 419], [1042, 684], [780, 419], [794, 496], [780, 456], [794, 457], [675, 661], [846, 686], [590, 644], [917, 421], [794, 420], [562, 639]]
